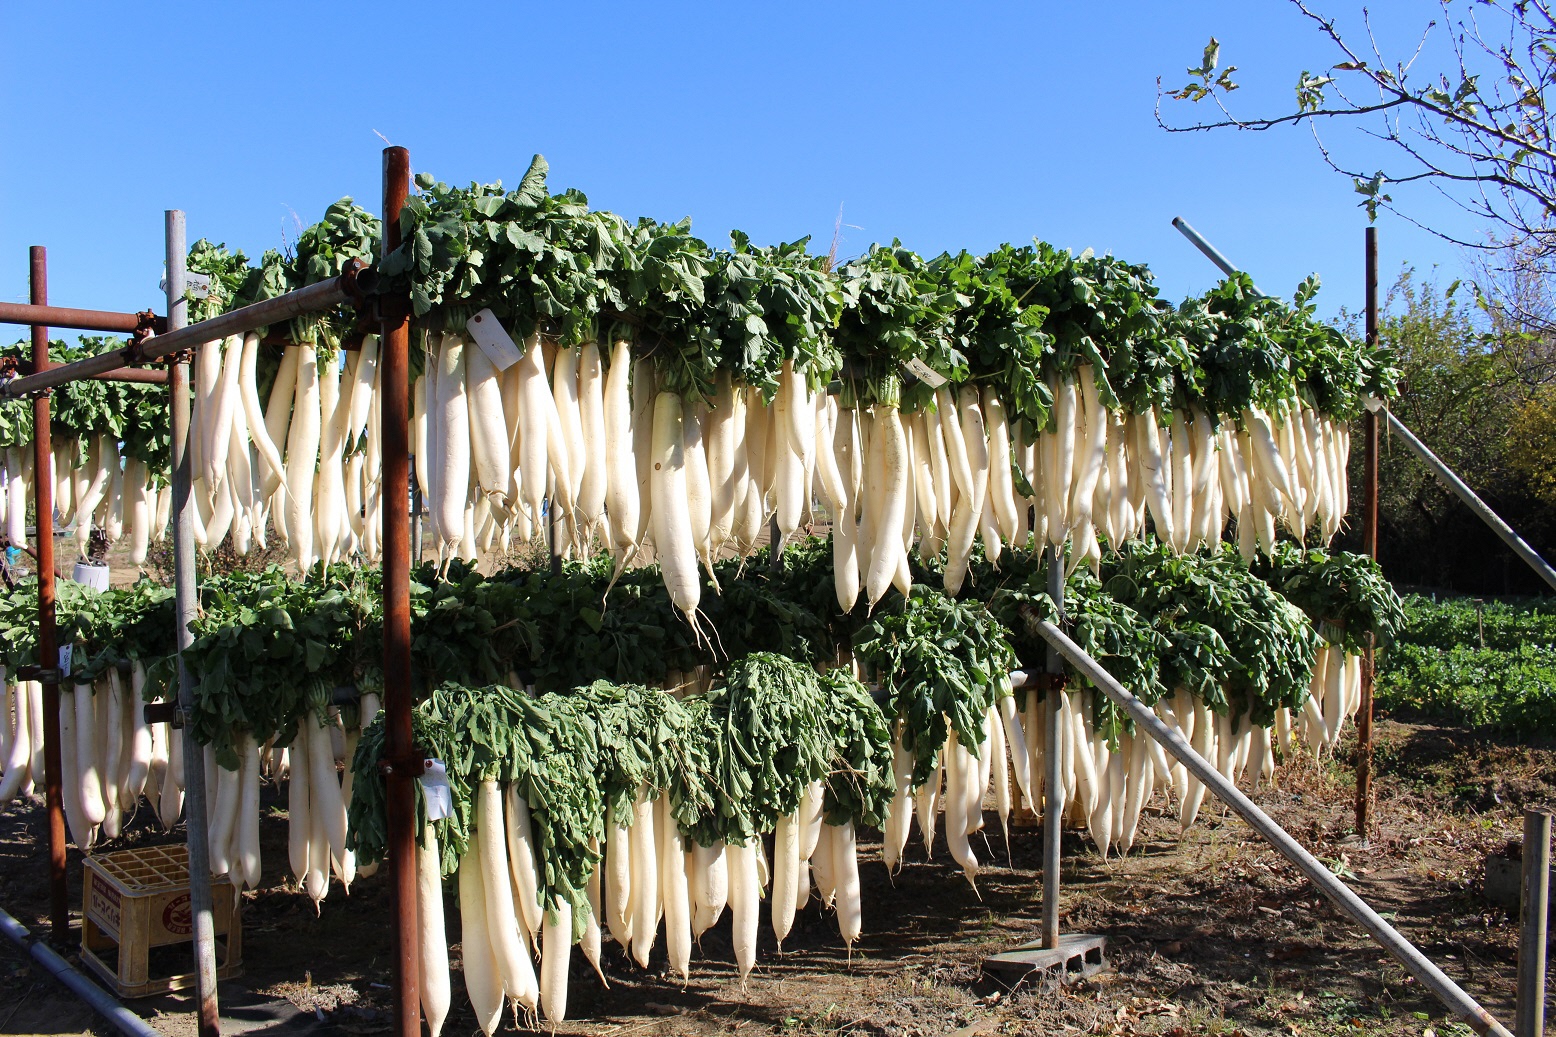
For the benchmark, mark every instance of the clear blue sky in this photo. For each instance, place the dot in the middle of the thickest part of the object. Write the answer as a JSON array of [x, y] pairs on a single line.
[[947, 125]]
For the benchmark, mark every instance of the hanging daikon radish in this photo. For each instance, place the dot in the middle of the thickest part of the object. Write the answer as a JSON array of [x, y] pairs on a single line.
[[219, 410], [302, 452], [674, 540], [535, 404], [786, 874], [926, 805], [431, 934], [1091, 452], [644, 394], [451, 413], [1154, 473], [673, 889], [898, 820], [16, 493], [968, 452], [845, 867], [564, 389], [829, 476], [744, 894], [483, 982], [1266, 453], [18, 758], [510, 952], [522, 865], [644, 855], [727, 471], [1181, 458], [1001, 486], [113, 521], [845, 528], [699, 488], [591, 424], [618, 883], [786, 464], [886, 547], [957, 820], [488, 426], [82, 831], [921, 487], [1067, 416]]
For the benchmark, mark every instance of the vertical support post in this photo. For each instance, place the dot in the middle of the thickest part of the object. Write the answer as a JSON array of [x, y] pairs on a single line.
[[399, 782], [1053, 783], [1534, 904], [187, 605], [1370, 546], [48, 644]]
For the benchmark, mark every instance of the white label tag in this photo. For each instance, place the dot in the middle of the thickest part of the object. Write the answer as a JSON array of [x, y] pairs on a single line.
[[924, 373], [493, 339], [197, 286], [436, 791], [1373, 404], [65, 653]]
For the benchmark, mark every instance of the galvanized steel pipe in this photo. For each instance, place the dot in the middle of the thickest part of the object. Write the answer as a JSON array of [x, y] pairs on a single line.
[[1450, 993]]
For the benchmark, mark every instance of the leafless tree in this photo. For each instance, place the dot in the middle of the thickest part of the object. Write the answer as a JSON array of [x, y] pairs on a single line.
[[1477, 130]]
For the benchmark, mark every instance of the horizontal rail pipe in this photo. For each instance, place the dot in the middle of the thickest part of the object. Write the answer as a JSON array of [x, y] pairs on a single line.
[[126, 1021], [1451, 481], [138, 375], [78, 320], [1450, 993], [346, 287]]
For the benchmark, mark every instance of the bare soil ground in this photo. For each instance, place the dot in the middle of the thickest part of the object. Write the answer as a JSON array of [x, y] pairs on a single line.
[[1212, 934]]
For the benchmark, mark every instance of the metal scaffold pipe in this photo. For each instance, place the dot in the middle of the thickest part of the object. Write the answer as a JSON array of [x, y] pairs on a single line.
[[403, 764], [1434, 979], [346, 287], [48, 644], [187, 603], [79, 320]]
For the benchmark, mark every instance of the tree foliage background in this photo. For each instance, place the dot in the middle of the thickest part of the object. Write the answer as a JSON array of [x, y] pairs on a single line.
[[1480, 390]]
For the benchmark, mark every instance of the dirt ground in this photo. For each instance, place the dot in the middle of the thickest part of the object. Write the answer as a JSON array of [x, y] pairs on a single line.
[[1213, 934]]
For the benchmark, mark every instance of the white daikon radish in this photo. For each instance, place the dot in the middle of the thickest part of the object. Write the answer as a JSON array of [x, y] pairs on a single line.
[[483, 982], [673, 888], [508, 950], [845, 866], [556, 948], [524, 874], [431, 934], [965, 439], [744, 896], [674, 542], [786, 874], [618, 883], [645, 879]]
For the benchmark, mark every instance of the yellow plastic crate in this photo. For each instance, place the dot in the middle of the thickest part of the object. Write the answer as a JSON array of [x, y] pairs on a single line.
[[135, 901]]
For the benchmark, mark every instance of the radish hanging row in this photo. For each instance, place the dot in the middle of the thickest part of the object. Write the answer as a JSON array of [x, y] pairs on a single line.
[[108, 468]]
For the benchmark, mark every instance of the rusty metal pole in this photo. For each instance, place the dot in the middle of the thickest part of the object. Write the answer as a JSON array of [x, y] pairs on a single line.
[[186, 604], [48, 645], [400, 789], [1370, 546]]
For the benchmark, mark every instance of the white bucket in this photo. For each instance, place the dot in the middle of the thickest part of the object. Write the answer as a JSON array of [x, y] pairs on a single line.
[[94, 576]]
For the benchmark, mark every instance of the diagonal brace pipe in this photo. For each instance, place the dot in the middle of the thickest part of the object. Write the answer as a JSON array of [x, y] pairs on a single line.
[[1342, 896]]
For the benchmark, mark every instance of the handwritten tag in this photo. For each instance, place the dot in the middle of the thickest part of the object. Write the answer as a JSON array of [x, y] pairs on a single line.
[[435, 789], [65, 652], [924, 373], [494, 340]]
